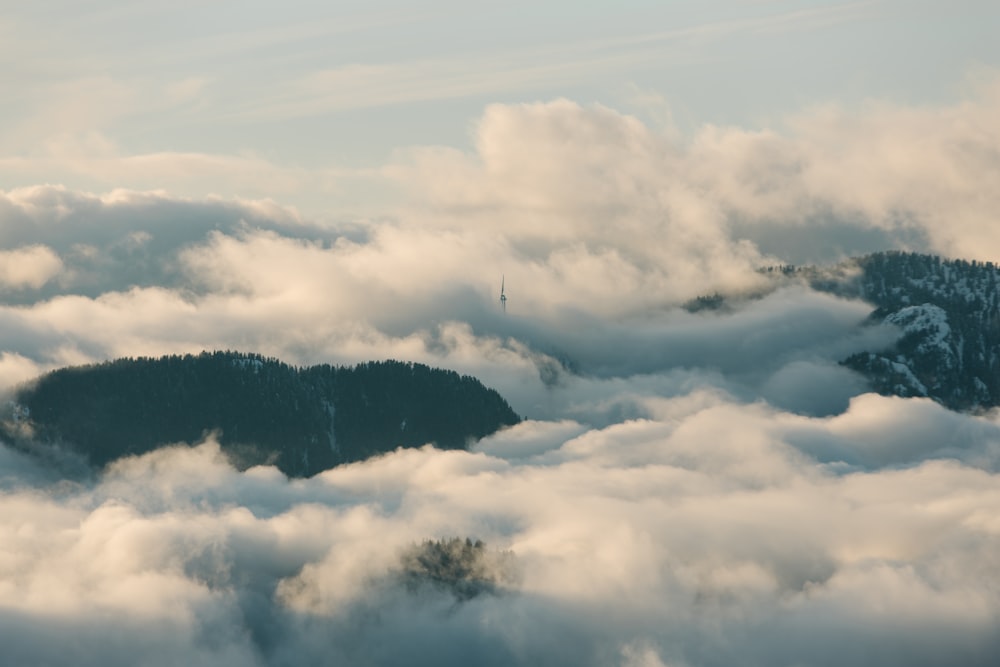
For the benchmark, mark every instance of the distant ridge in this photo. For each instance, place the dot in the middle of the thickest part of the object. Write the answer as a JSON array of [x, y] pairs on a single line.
[[948, 311], [303, 420]]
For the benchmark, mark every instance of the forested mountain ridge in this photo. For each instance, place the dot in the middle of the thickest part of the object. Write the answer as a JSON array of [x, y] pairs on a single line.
[[949, 313], [304, 420]]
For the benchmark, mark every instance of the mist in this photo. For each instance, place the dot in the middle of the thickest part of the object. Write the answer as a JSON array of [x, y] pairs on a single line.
[[713, 533]]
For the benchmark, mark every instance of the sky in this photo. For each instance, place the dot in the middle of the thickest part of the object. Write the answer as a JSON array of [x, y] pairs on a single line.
[[309, 102], [335, 183]]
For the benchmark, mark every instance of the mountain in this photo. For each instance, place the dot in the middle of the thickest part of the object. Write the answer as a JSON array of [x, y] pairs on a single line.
[[303, 420], [949, 315]]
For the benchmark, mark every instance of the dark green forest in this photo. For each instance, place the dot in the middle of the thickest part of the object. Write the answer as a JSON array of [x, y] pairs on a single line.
[[303, 420]]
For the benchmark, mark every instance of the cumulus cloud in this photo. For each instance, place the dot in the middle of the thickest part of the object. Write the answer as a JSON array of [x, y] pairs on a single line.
[[827, 182], [596, 193], [885, 173]]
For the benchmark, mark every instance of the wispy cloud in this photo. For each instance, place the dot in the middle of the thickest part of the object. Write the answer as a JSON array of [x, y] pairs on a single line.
[[362, 85]]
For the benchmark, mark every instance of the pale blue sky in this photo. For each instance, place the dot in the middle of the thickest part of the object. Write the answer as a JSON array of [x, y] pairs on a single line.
[[335, 85]]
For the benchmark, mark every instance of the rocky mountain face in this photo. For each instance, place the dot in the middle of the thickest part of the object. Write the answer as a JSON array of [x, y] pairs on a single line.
[[949, 313], [304, 420]]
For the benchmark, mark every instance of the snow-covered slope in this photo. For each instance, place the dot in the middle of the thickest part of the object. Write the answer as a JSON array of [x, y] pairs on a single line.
[[949, 315]]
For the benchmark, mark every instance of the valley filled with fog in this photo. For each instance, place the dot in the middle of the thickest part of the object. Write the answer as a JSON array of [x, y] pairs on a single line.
[[687, 486]]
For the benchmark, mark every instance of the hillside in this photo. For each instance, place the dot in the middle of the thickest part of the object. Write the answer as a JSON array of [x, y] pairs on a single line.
[[949, 315], [264, 411]]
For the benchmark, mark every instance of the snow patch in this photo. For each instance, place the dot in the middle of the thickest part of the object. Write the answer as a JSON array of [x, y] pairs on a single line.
[[927, 320]]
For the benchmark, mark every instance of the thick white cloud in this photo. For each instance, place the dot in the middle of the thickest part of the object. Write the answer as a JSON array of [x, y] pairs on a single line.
[[918, 175], [28, 266], [595, 194], [701, 536], [589, 208], [828, 181]]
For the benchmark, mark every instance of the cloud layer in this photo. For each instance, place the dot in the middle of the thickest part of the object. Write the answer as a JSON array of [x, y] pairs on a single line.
[[689, 489], [710, 534]]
